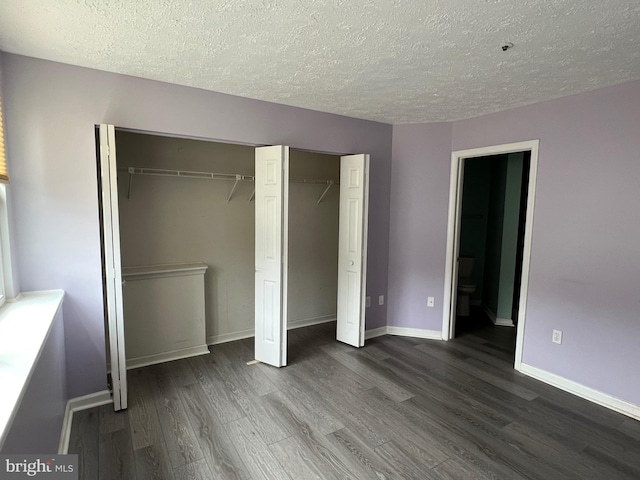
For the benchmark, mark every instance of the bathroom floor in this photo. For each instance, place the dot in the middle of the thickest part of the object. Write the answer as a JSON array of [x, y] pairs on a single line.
[[477, 330]]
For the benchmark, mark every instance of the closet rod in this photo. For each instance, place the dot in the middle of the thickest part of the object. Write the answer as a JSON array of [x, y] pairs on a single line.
[[186, 174], [165, 172]]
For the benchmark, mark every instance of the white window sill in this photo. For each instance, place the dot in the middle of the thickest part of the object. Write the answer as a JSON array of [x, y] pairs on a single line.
[[24, 327]]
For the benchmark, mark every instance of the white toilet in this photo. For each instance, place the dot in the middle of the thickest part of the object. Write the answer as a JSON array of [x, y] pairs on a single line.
[[466, 285]]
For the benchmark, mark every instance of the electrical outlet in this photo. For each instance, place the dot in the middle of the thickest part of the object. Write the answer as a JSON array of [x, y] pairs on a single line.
[[367, 302], [557, 336], [380, 299], [430, 301]]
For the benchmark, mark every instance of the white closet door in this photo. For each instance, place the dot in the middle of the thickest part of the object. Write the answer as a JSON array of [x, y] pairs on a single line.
[[112, 267], [352, 248], [271, 212]]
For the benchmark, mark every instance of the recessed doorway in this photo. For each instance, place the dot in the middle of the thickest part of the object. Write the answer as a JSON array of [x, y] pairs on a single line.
[[491, 204]]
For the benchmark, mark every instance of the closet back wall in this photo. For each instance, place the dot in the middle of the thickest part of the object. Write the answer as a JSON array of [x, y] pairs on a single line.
[[176, 220], [313, 239]]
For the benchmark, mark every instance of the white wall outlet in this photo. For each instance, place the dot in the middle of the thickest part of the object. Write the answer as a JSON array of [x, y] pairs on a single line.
[[380, 299], [430, 301], [367, 302], [557, 336]]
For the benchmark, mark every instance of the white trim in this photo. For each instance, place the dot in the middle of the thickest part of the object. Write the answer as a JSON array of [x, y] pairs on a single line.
[[365, 242], [415, 332], [146, 360], [526, 257], [15, 299], [404, 332], [242, 334], [144, 272], [307, 322], [376, 332], [451, 267], [588, 393], [230, 337], [455, 195], [112, 268], [6, 273], [75, 405], [497, 321]]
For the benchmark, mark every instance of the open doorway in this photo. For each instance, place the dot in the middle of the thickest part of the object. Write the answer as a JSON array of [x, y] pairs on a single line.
[[494, 200], [314, 213], [489, 242]]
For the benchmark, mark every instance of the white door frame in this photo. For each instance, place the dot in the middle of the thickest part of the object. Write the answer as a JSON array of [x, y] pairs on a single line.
[[453, 235], [112, 266]]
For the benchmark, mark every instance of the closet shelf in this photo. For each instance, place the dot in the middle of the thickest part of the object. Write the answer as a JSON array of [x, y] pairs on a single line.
[[235, 177]]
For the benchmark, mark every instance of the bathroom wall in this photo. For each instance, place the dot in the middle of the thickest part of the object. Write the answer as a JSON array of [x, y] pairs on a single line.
[[177, 220], [502, 234], [511, 218], [495, 220], [475, 212]]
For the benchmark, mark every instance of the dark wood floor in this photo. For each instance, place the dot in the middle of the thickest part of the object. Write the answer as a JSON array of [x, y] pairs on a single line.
[[494, 340], [397, 408]]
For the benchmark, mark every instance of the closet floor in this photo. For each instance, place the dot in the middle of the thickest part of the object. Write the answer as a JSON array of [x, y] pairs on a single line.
[[397, 408]]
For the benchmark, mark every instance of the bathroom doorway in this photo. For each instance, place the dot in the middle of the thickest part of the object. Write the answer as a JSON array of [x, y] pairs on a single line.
[[490, 249], [489, 241]]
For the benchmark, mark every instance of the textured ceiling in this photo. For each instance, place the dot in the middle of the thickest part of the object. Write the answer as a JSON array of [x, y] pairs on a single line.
[[392, 61]]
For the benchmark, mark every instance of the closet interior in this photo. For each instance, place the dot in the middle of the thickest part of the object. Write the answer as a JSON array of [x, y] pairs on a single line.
[[187, 226]]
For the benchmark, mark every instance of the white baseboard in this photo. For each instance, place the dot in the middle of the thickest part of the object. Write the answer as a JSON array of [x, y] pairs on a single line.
[[232, 337], [76, 404], [415, 332], [307, 322], [403, 332], [376, 332], [166, 356], [497, 321], [588, 393]]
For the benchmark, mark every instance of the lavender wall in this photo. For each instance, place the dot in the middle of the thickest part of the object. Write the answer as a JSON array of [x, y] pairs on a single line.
[[585, 257], [418, 235], [51, 111], [37, 425]]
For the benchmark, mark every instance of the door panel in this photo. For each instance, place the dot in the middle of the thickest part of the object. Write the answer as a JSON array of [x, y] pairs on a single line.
[[352, 249], [271, 199], [112, 266]]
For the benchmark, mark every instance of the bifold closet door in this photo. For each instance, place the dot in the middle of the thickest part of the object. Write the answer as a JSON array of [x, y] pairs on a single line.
[[271, 222], [112, 267], [352, 248]]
